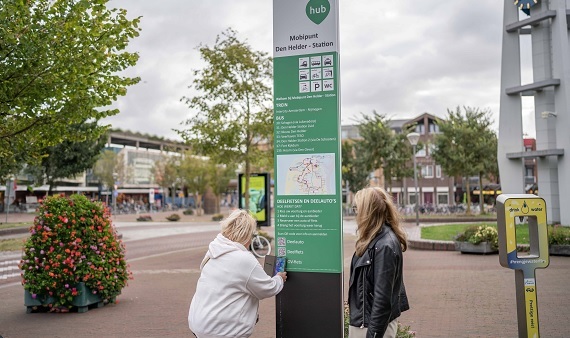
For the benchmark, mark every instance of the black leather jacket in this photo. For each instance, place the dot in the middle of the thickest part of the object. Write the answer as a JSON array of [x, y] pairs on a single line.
[[376, 294]]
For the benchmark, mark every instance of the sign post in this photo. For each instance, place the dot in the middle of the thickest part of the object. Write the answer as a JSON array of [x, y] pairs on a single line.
[[308, 194], [531, 208]]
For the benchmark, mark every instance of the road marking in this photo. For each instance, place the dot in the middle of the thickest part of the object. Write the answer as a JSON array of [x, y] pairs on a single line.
[[165, 271]]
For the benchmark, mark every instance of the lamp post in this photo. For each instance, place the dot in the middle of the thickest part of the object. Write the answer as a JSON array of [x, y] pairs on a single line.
[[414, 138]]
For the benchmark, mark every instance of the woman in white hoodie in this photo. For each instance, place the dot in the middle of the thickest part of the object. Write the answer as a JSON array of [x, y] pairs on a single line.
[[231, 283]]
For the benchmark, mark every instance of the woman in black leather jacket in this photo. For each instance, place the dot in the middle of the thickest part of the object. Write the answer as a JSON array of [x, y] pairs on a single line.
[[376, 294]]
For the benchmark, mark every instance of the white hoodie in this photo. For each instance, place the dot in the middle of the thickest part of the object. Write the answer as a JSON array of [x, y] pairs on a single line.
[[228, 291]]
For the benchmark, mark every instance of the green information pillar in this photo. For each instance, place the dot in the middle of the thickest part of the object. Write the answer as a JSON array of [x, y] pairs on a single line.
[[308, 194]]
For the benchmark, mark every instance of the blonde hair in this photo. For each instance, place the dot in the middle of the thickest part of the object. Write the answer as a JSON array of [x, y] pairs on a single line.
[[239, 226], [374, 208]]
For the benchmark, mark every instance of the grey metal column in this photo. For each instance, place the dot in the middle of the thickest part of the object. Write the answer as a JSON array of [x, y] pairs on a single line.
[[510, 118], [545, 127], [561, 70]]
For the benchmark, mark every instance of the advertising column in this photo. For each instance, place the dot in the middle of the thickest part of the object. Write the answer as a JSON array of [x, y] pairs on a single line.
[[308, 200]]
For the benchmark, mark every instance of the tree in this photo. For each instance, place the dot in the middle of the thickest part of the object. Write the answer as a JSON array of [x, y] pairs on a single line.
[[194, 171], [220, 176], [69, 158], [234, 120], [380, 147], [354, 172], [376, 140], [106, 168], [464, 146], [167, 172], [397, 163], [60, 65]]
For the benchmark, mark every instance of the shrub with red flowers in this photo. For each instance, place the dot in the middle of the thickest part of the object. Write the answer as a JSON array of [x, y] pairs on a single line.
[[72, 241]]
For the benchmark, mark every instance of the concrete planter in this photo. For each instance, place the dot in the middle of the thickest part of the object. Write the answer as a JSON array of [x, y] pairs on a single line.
[[481, 248], [559, 250]]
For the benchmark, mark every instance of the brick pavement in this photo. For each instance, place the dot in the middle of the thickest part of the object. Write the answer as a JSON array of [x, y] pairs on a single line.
[[451, 295]]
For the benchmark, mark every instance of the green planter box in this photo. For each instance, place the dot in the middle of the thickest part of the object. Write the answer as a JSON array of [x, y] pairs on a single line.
[[82, 301]]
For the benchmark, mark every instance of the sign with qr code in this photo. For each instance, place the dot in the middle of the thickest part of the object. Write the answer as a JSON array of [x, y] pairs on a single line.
[[308, 197]]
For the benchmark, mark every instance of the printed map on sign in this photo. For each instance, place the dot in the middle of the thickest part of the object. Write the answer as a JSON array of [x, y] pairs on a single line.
[[306, 174]]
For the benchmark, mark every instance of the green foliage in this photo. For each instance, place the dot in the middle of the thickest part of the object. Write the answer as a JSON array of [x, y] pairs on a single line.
[[13, 244], [403, 331], [61, 65], [466, 145], [188, 212], [448, 232], [558, 235], [72, 240], [144, 218], [354, 172], [217, 217], [173, 218], [233, 122], [376, 144], [107, 166], [69, 158], [380, 147], [477, 234]]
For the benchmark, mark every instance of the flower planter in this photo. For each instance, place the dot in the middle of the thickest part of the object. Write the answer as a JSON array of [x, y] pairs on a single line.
[[481, 248], [559, 250], [73, 250], [82, 301]]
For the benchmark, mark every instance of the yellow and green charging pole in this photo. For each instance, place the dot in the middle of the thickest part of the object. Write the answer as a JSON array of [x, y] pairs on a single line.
[[510, 208]]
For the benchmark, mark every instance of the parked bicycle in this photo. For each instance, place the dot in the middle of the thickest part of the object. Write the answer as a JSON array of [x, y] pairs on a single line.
[[260, 246]]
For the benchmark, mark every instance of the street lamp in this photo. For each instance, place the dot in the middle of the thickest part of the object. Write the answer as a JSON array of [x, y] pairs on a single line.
[[414, 138]]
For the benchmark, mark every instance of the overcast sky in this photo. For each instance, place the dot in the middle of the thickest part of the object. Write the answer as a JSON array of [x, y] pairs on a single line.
[[400, 58]]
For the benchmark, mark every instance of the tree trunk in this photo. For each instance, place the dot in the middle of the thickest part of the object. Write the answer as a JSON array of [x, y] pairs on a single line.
[[246, 192], [481, 201], [468, 186]]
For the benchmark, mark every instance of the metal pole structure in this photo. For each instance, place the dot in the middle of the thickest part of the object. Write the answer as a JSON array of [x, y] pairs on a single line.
[[416, 187], [414, 138]]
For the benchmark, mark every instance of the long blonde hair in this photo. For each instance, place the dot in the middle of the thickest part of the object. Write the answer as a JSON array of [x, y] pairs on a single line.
[[374, 207]]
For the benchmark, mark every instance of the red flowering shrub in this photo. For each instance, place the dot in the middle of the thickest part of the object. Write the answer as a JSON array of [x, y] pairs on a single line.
[[72, 240]]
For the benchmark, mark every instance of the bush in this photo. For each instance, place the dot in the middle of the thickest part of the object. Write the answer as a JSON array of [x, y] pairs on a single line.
[[144, 218], [558, 235], [188, 212], [217, 217], [480, 233], [403, 331], [173, 217], [72, 241]]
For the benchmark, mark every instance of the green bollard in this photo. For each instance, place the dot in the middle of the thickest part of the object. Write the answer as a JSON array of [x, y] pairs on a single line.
[[511, 207]]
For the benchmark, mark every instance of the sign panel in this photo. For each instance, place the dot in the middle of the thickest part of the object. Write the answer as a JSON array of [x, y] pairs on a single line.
[[308, 219], [259, 192]]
